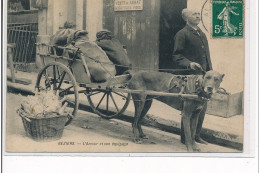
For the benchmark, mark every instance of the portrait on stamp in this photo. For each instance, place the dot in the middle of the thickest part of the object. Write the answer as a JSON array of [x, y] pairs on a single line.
[[227, 18]]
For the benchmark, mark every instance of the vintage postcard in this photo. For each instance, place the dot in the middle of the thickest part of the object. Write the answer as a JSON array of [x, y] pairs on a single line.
[[125, 76]]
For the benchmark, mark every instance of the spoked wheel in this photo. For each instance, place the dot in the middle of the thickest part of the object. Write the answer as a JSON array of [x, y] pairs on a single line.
[[108, 104], [56, 77]]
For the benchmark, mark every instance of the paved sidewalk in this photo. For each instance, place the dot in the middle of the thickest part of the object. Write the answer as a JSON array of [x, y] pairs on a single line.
[[222, 131]]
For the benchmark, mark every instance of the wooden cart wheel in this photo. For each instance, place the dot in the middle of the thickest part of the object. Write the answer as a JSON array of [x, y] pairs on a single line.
[[108, 104], [56, 77]]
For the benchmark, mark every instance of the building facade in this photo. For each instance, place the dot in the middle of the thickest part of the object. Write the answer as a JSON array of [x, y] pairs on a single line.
[[146, 27]]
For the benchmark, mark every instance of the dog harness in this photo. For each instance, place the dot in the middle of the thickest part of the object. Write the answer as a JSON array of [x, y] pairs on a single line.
[[187, 84]]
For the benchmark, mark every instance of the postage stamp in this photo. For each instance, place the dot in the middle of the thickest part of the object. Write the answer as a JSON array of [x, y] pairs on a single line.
[[227, 18]]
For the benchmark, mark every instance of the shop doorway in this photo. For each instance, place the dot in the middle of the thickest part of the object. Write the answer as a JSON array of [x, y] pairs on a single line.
[[170, 23]]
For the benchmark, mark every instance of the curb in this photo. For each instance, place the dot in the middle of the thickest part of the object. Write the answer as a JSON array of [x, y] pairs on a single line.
[[212, 136]]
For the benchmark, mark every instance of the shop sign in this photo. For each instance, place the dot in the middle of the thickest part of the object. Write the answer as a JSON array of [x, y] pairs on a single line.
[[128, 5]]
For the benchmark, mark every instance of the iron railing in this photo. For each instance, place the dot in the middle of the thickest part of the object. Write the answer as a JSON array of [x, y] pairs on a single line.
[[24, 36]]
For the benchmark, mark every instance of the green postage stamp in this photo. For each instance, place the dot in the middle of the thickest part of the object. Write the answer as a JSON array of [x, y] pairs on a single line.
[[227, 18]]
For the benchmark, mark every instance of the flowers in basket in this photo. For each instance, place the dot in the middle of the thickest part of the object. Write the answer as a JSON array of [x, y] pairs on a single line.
[[43, 115], [42, 104]]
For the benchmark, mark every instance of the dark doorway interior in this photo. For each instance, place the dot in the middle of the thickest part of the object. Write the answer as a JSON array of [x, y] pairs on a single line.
[[170, 23]]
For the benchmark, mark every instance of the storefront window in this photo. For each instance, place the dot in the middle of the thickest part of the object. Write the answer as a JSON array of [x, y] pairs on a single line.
[[18, 5]]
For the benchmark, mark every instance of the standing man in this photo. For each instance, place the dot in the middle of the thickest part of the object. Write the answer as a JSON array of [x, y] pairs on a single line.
[[191, 51]]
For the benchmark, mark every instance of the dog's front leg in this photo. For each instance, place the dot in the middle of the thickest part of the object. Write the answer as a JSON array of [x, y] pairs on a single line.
[[186, 118], [193, 127], [188, 140], [199, 126]]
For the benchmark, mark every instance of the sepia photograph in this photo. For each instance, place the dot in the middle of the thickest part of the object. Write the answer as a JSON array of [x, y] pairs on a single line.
[[124, 76]]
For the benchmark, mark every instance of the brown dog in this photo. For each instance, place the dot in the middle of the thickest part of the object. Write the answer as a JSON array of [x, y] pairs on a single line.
[[203, 86]]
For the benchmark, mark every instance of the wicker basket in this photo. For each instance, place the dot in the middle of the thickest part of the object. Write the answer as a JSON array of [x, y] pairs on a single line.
[[43, 128]]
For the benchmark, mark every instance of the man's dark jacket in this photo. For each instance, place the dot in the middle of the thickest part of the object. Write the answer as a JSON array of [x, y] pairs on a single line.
[[191, 46]]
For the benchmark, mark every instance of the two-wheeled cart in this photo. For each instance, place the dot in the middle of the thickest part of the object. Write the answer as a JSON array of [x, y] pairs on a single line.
[[68, 76]]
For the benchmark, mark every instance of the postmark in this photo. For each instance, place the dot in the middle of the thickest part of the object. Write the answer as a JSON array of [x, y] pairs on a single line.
[[227, 19], [206, 15]]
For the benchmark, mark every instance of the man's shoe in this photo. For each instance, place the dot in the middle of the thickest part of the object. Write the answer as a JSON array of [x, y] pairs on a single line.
[[183, 139]]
